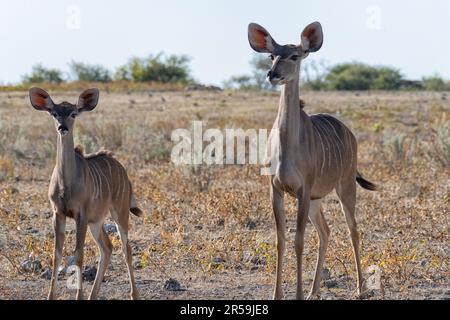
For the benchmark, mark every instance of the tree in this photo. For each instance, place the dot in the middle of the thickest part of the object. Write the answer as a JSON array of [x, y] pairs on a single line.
[[41, 74], [89, 73], [358, 76], [314, 75], [244, 82], [386, 79], [350, 76], [260, 66], [122, 73], [156, 68], [434, 83]]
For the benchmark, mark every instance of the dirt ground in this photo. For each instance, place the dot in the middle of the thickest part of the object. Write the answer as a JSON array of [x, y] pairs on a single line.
[[211, 228]]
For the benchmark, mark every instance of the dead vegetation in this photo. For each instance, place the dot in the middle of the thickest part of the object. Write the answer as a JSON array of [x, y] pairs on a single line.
[[211, 228]]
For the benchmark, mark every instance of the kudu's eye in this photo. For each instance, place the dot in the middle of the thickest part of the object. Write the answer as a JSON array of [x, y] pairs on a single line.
[[73, 115], [294, 58], [271, 57]]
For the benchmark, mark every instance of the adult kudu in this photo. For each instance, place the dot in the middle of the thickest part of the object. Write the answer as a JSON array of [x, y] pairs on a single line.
[[85, 188], [314, 155]]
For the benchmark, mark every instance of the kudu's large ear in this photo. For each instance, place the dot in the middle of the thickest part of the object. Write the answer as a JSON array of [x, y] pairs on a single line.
[[40, 99], [312, 37], [260, 39], [88, 100]]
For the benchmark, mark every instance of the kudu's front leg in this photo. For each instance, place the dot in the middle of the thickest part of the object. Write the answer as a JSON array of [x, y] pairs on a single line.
[[81, 227], [280, 222], [59, 225], [302, 218]]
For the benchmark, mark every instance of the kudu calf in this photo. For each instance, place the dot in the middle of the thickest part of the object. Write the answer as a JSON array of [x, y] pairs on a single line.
[[313, 155], [85, 188]]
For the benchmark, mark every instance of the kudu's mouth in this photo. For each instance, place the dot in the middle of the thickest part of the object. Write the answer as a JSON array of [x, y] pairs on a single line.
[[276, 81], [274, 78]]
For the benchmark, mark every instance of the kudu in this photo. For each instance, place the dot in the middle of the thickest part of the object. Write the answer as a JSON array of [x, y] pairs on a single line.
[[314, 155], [85, 188]]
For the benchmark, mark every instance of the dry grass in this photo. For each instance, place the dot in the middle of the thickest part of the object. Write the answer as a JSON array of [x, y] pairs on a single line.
[[211, 228], [115, 86]]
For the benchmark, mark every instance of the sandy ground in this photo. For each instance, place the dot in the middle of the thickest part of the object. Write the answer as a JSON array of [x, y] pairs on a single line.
[[211, 228]]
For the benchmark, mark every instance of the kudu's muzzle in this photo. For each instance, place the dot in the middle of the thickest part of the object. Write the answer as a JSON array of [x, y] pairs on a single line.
[[62, 129], [274, 78]]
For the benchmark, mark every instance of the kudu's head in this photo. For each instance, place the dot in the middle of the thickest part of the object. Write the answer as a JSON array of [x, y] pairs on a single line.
[[286, 59], [64, 113]]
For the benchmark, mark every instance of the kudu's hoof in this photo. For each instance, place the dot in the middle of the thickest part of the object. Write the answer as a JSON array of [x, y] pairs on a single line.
[[313, 296]]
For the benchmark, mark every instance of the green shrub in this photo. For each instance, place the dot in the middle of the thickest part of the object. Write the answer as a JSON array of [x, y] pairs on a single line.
[[434, 83], [386, 79], [40, 74], [89, 73], [156, 68], [315, 85], [260, 65], [314, 74], [358, 76], [244, 82]]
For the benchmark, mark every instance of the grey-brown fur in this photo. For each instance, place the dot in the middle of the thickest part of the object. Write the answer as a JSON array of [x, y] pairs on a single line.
[[86, 188], [314, 155]]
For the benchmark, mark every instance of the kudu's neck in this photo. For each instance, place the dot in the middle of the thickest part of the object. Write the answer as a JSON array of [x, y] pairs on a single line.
[[65, 161], [289, 118]]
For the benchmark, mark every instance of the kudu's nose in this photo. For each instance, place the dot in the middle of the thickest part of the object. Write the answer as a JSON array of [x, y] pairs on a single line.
[[63, 129], [273, 75]]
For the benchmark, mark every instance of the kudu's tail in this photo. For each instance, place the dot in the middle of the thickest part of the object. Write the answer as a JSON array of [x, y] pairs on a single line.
[[366, 184], [134, 209]]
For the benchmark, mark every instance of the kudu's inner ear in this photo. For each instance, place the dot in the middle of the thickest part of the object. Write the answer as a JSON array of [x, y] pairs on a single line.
[[312, 37], [260, 39], [40, 100], [88, 100]]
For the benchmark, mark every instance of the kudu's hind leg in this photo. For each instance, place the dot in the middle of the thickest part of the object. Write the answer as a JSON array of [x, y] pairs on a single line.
[[104, 244], [280, 222], [318, 220], [347, 195], [122, 226]]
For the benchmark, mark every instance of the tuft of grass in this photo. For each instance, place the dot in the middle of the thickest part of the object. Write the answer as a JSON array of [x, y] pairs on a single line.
[[200, 176], [159, 148], [378, 127], [438, 149], [395, 147], [6, 168], [400, 149], [8, 136]]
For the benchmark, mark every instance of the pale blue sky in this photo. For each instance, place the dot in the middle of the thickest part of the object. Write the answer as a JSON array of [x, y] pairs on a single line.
[[413, 35]]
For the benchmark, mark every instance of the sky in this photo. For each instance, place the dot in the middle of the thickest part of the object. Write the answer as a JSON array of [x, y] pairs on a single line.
[[410, 35]]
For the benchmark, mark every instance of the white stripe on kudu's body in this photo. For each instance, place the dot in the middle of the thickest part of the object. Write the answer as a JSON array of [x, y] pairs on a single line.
[[85, 188], [317, 154]]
